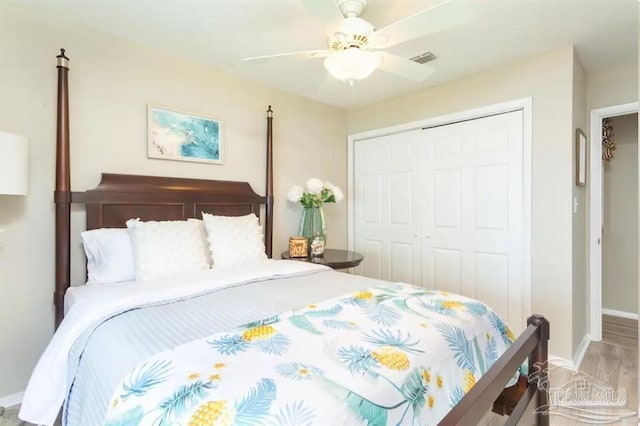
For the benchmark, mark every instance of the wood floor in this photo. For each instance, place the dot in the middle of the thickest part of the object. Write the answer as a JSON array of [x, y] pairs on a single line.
[[620, 331], [614, 362]]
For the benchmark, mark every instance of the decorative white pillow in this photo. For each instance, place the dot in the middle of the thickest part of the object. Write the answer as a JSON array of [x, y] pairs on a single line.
[[167, 247], [109, 255], [203, 235], [234, 240]]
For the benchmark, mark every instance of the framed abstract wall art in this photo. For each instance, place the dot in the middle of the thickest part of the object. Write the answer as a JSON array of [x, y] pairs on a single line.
[[183, 136]]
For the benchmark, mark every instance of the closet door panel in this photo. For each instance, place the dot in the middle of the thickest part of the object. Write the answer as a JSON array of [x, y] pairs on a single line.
[[475, 236], [385, 208]]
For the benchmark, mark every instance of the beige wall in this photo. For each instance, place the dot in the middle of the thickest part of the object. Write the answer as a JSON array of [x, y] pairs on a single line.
[[547, 78], [620, 234], [612, 87], [579, 228], [111, 81]]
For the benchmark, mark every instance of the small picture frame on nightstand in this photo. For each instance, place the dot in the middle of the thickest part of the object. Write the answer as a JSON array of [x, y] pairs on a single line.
[[298, 247]]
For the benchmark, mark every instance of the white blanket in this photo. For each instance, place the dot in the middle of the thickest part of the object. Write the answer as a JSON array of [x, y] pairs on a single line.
[[47, 387]]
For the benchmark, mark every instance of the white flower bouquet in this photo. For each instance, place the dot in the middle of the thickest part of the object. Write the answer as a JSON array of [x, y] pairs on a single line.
[[316, 195]]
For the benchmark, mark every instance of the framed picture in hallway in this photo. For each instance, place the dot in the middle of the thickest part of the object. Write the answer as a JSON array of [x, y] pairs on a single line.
[[177, 135], [581, 158]]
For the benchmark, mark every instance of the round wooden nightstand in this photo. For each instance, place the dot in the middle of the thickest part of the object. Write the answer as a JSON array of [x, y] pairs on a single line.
[[333, 258]]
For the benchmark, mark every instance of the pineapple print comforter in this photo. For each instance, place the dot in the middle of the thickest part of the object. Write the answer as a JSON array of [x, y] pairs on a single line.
[[396, 354]]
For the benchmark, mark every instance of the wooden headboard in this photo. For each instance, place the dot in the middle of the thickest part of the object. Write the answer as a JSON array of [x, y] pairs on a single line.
[[120, 197]]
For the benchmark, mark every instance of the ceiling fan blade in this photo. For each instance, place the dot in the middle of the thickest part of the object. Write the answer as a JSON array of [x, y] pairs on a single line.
[[301, 54], [444, 15], [405, 68]]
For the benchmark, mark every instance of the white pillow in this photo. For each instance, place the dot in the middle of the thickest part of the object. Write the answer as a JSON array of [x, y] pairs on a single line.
[[109, 255], [203, 235], [234, 240], [167, 247]]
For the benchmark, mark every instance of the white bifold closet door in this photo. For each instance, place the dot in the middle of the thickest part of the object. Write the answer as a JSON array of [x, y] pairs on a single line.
[[443, 208]]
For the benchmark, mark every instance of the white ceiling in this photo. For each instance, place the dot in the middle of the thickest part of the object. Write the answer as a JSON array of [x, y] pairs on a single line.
[[222, 32]]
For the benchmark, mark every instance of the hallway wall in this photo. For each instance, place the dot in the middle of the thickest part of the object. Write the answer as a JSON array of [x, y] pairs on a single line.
[[620, 233]]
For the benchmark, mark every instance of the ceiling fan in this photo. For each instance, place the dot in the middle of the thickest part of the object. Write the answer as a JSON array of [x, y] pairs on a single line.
[[356, 50]]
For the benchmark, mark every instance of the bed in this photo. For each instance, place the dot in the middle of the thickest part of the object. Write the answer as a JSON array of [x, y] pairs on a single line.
[[333, 348]]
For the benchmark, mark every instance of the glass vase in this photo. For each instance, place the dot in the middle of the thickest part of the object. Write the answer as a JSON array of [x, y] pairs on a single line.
[[312, 224]]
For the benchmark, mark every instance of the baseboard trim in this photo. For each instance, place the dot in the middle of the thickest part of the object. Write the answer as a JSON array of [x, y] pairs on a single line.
[[11, 400], [582, 349], [561, 362], [620, 314]]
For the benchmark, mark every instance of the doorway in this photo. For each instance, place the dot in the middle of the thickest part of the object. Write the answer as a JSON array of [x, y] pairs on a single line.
[[613, 242]]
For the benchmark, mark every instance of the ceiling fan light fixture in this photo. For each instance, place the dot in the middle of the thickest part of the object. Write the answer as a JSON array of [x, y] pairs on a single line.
[[351, 65]]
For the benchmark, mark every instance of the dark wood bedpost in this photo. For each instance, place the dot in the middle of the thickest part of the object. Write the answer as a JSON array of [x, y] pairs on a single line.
[[62, 193], [538, 362], [268, 238]]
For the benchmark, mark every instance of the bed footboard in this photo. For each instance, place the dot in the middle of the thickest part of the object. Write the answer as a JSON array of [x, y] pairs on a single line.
[[490, 389]]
